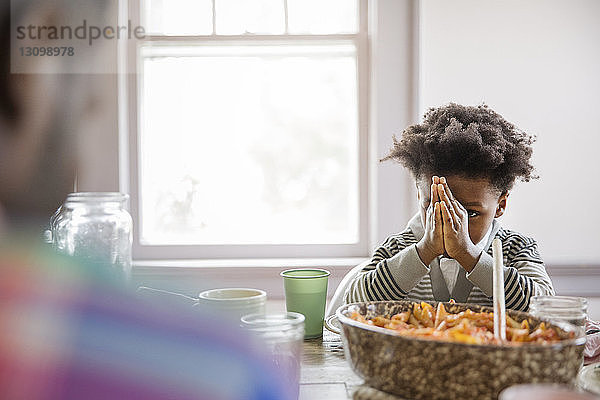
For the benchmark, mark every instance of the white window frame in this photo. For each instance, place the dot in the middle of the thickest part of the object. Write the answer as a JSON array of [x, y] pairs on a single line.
[[130, 148]]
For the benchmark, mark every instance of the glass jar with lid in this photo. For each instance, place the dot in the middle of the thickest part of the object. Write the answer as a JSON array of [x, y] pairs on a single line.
[[560, 308], [97, 227]]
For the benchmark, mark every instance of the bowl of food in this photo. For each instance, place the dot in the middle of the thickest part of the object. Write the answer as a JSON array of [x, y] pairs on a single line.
[[430, 350]]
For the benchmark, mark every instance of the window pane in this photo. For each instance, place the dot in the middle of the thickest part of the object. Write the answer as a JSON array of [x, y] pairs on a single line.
[[249, 145], [177, 17], [236, 17], [323, 16]]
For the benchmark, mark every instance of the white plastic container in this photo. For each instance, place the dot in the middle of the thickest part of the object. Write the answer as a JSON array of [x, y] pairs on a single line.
[[233, 302]]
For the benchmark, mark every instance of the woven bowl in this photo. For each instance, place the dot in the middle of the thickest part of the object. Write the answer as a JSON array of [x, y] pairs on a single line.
[[415, 368]]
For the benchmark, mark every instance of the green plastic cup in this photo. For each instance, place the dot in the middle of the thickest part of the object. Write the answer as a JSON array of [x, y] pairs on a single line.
[[305, 293]]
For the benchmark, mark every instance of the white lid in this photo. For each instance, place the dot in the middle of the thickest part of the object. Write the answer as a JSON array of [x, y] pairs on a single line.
[[233, 297]]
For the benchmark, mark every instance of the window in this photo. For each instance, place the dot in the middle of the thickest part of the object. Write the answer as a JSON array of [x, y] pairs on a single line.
[[249, 137]]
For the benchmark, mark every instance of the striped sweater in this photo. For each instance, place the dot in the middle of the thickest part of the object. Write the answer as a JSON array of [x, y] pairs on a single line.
[[396, 272]]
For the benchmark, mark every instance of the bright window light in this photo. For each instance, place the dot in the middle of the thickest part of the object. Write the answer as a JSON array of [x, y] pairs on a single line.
[[249, 145]]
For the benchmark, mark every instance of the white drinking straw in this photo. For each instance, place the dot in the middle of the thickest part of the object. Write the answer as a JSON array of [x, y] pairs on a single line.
[[499, 306]]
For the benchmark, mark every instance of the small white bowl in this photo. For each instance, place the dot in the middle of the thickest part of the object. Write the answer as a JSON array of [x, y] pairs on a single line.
[[234, 302]]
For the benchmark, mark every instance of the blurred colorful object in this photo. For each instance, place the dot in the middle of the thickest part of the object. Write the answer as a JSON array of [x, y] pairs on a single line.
[[70, 332]]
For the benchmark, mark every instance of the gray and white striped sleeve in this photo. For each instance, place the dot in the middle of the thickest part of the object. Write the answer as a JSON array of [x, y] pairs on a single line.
[[393, 271], [524, 274]]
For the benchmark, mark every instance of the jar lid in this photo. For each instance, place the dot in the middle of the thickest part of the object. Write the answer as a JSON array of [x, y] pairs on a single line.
[[275, 327], [233, 296], [558, 303], [79, 197]]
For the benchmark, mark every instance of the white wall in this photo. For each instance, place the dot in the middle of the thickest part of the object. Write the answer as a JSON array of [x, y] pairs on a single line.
[[536, 62]]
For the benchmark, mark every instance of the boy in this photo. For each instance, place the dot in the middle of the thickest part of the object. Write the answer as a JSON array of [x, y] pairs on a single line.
[[465, 161]]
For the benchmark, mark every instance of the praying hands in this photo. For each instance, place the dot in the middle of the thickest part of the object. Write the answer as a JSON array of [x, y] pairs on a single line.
[[447, 228]]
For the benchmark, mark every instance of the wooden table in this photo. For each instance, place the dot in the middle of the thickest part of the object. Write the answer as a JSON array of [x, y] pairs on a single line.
[[325, 373]]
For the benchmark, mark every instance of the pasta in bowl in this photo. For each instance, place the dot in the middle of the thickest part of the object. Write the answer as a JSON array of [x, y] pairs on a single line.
[[425, 321], [396, 347]]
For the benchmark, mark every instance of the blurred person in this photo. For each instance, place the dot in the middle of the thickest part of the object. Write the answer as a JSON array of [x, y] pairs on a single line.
[[69, 331], [37, 150], [465, 160]]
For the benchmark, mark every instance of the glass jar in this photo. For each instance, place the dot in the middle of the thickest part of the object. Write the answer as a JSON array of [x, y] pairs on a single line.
[[59, 213], [95, 226], [560, 308], [280, 337]]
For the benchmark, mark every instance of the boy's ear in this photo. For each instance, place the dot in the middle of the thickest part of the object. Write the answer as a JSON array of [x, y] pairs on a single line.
[[501, 207]]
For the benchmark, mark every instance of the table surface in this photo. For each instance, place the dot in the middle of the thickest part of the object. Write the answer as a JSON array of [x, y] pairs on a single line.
[[325, 373]]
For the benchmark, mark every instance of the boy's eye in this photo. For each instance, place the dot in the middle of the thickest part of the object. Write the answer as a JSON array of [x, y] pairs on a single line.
[[472, 214]]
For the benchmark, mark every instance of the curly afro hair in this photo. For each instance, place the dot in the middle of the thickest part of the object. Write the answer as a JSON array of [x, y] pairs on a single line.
[[475, 142]]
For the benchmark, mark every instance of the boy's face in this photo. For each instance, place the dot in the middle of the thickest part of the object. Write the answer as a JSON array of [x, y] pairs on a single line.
[[482, 201]]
